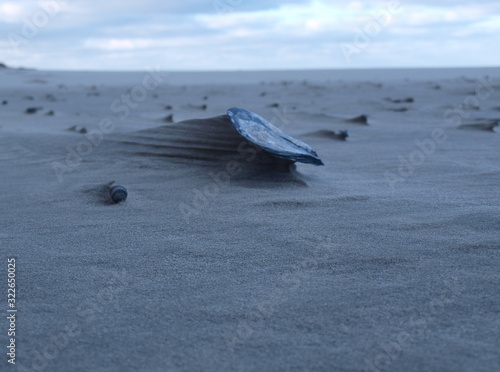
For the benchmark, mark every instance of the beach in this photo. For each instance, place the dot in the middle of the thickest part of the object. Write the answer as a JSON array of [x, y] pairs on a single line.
[[384, 259]]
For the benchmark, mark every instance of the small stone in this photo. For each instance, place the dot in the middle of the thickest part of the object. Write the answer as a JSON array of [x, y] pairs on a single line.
[[32, 110], [361, 119], [118, 194]]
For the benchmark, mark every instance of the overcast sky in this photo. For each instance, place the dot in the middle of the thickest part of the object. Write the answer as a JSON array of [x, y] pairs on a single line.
[[248, 34]]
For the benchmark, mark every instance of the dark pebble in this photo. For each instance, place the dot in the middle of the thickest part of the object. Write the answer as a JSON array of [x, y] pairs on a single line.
[[118, 194], [32, 110], [361, 119]]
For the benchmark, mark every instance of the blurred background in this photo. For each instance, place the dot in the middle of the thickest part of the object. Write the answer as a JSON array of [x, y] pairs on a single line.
[[248, 34]]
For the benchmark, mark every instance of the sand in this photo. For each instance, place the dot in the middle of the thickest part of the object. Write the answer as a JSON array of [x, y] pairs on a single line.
[[384, 259]]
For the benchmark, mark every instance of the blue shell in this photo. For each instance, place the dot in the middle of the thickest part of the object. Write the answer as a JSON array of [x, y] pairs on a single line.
[[273, 140]]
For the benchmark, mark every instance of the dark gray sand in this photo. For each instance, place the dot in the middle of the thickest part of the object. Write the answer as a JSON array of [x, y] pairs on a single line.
[[385, 259]]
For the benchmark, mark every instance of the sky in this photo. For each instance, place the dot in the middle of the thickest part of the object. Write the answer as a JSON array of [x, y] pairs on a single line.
[[212, 35]]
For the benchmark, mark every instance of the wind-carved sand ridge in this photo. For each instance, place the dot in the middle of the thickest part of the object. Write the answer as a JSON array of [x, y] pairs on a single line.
[[210, 144]]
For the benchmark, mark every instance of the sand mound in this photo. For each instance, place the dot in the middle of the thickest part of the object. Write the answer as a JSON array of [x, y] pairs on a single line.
[[205, 143]]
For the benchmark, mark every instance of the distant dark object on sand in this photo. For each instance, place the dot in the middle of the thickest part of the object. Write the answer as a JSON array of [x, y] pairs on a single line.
[[169, 119], [200, 107], [361, 119], [486, 125], [331, 134], [33, 110], [78, 129], [400, 109], [406, 100], [5, 102]]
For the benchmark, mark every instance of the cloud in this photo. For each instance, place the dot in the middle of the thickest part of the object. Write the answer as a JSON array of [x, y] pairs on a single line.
[[10, 12]]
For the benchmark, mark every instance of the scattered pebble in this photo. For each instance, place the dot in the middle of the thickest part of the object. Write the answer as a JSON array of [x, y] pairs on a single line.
[[78, 129], [340, 135], [406, 100], [361, 119], [201, 107], [32, 110], [487, 125], [401, 109], [118, 194]]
